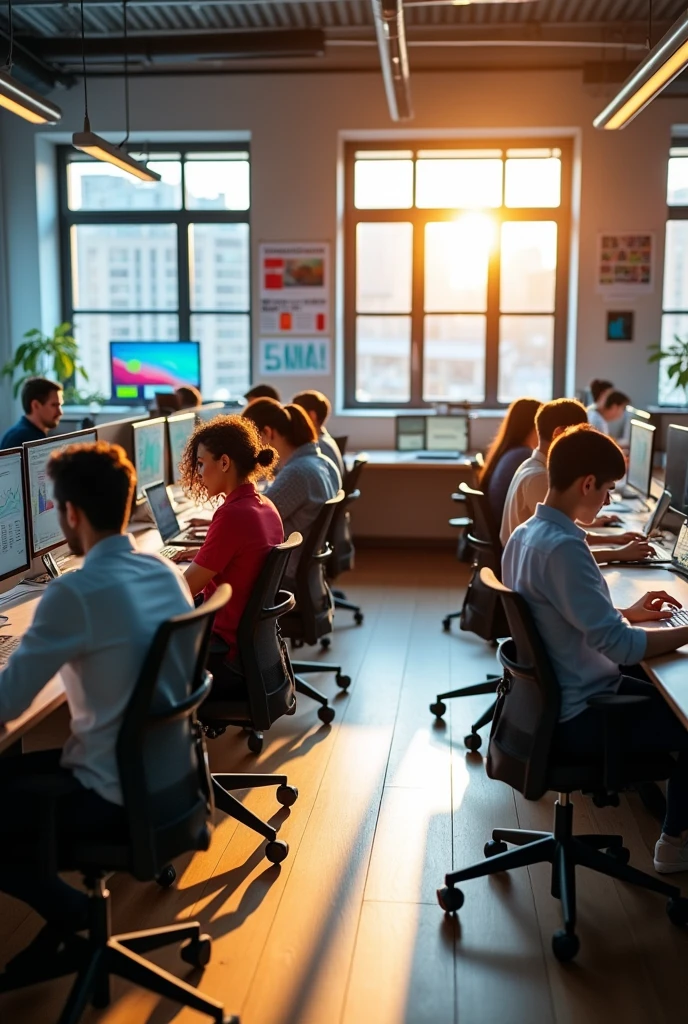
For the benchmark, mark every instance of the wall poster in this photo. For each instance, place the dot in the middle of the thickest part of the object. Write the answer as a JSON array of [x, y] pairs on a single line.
[[294, 288], [625, 263]]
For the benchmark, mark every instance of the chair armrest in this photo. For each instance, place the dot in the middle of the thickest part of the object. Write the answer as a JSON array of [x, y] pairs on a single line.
[[457, 496], [461, 523], [611, 704]]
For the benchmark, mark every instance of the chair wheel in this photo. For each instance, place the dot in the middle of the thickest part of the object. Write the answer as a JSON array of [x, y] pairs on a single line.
[[450, 899], [678, 911], [325, 643], [213, 731], [197, 951], [276, 851], [358, 618], [493, 847], [619, 853], [167, 877], [255, 742], [326, 714], [473, 741], [438, 709], [565, 946], [287, 795], [446, 624], [343, 682]]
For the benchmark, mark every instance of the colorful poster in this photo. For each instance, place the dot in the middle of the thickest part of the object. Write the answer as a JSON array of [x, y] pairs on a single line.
[[625, 263], [302, 357], [294, 288]]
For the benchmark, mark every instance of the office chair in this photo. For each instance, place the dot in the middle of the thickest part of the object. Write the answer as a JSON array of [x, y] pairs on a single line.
[[340, 540], [341, 443], [312, 618], [523, 754], [168, 806], [481, 612]]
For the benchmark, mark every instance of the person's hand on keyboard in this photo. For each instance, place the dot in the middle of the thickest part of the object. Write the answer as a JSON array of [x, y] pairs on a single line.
[[650, 608], [635, 551], [184, 555], [625, 538], [602, 521], [197, 521]]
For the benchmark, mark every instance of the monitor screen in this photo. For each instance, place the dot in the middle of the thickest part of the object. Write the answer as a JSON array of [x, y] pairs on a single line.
[[149, 454], [179, 430], [208, 412], [140, 369], [680, 554], [45, 532], [410, 433], [163, 513], [14, 547], [640, 457], [446, 433], [676, 464]]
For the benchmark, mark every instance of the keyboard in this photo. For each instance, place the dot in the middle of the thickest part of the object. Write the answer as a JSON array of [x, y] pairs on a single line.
[[169, 551], [7, 645], [679, 618]]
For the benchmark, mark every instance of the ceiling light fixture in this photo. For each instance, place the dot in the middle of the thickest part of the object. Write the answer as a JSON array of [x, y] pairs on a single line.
[[662, 64], [97, 147], [18, 98]]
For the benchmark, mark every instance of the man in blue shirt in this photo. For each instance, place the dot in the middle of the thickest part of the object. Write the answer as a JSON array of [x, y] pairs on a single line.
[[42, 404], [549, 563]]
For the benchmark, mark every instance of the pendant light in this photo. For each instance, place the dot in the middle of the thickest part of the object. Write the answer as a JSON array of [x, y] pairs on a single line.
[[18, 98]]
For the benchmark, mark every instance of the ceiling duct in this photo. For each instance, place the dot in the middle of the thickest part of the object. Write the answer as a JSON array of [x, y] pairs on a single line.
[[391, 42]]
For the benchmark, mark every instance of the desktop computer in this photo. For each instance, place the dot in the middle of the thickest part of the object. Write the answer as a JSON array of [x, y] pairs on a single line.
[[45, 532], [676, 466], [179, 430], [640, 457], [208, 411], [142, 369], [14, 543], [149, 454]]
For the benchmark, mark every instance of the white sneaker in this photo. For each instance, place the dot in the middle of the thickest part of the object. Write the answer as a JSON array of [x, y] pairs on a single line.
[[671, 854]]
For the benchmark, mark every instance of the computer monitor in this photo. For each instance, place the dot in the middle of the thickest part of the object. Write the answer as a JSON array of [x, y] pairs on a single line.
[[640, 457], [120, 432], [45, 532], [410, 432], [14, 544], [179, 430], [446, 433], [676, 466], [140, 369], [149, 454], [207, 412]]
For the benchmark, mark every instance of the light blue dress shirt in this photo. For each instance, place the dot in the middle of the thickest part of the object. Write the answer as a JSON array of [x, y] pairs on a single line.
[[549, 563]]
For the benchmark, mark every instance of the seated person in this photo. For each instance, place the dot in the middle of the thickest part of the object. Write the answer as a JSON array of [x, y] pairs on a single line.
[[611, 409], [42, 404], [529, 486], [262, 391], [222, 459], [318, 408], [189, 397], [514, 443], [548, 562], [599, 389], [307, 478], [95, 625]]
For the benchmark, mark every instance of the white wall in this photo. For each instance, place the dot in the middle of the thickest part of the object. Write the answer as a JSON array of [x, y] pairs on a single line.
[[295, 123]]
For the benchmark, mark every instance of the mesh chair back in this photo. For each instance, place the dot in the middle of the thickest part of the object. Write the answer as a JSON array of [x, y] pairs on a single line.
[[314, 612], [527, 715], [339, 537], [482, 611], [161, 753]]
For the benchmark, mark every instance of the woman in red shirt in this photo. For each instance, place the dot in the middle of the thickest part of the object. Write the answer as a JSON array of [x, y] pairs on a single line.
[[222, 459]]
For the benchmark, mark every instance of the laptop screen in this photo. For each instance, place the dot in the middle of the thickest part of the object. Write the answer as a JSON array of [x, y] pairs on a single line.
[[447, 433], [163, 513], [658, 513], [680, 555]]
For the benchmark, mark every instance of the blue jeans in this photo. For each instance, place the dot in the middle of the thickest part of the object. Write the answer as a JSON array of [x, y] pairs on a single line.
[[646, 729]]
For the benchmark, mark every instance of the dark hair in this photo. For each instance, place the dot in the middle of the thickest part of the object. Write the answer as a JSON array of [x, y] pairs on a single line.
[[97, 478], [562, 412], [262, 391], [288, 420], [189, 397], [517, 424], [233, 436], [316, 402], [582, 451], [616, 398], [598, 387], [37, 389]]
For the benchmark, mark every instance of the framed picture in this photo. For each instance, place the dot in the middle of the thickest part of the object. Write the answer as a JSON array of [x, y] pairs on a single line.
[[625, 263], [619, 326]]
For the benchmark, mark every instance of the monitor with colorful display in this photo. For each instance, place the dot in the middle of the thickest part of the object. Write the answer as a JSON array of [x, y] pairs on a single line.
[[140, 369]]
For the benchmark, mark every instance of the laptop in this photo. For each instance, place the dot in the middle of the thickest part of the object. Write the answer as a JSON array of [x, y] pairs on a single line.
[[654, 520], [168, 525], [446, 437], [676, 559]]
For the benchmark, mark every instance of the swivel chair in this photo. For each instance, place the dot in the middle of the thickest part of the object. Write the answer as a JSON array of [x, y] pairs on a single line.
[[340, 540]]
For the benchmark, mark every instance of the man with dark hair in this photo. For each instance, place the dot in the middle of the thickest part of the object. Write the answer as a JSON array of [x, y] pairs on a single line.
[[95, 626], [189, 397], [318, 408], [42, 404], [599, 389], [262, 391], [548, 562], [609, 410]]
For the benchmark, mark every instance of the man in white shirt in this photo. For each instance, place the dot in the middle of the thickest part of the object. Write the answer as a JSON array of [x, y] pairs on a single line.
[[611, 409], [529, 486], [94, 625]]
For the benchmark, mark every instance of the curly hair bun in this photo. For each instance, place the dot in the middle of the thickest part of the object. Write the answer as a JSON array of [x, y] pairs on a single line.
[[265, 457]]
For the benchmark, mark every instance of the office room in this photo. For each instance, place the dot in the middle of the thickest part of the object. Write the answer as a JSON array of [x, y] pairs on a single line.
[[328, 761]]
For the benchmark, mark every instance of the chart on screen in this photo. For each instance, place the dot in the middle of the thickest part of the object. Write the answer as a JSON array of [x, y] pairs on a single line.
[[149, 453], [12, 524]]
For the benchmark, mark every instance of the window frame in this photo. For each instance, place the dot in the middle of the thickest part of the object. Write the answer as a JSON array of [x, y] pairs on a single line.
[[419, 218], [181, 218], [673, 213]]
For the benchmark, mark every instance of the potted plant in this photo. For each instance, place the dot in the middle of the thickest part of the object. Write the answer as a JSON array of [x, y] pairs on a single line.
[[53, 355], [677, 370]]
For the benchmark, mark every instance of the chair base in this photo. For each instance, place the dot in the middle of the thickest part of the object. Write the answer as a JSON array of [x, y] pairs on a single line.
[[473, 740], [342, 602], [100, 956], [564, 852], [276, 849]]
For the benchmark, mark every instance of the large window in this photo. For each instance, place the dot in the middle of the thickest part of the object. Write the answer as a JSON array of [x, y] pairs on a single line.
[[675, 293], [456, 272], [160, 262]]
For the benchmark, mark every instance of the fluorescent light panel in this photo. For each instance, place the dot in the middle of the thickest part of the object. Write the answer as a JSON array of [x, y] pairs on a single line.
[[100, 149], [662, 64], [30, 105]]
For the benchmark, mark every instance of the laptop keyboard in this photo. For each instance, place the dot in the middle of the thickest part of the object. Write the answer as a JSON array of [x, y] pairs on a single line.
[[7, 645], [679, 618], [169, 552]]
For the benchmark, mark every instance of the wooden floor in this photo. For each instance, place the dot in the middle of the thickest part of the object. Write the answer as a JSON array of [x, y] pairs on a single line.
[[348, 929]]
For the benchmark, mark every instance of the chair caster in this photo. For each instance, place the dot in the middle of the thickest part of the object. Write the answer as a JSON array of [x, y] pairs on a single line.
[[565, 946], [438, 709], [326, 714], [358, 618], [619, 853], [287, 795], [213, 731], [473, 741], [167, 877], [197, 951], [677, 911], [446, 624], [343, 682], [493, 847], [276, 851], [450, 899], [325, 643], [255, 742]]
